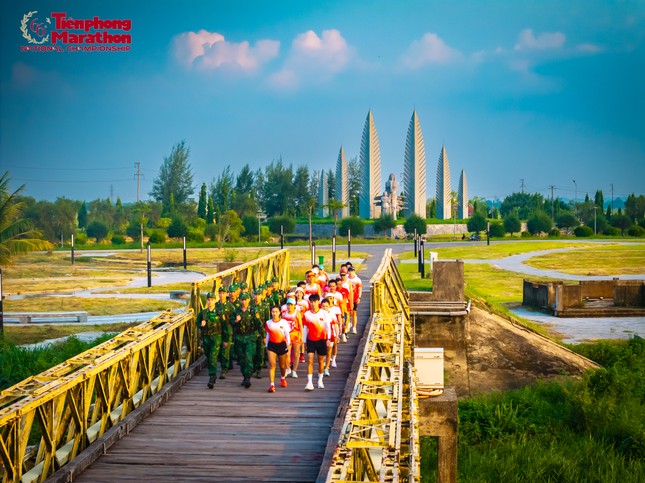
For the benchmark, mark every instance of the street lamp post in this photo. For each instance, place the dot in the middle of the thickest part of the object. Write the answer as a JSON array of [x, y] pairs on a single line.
[[261, 216], [575, 198]]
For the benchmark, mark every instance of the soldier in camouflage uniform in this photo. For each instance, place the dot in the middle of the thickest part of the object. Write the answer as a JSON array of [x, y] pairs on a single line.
[[277, 296], [246, 324], [234, 300], [214, 329], [225, 310], [263, 310]]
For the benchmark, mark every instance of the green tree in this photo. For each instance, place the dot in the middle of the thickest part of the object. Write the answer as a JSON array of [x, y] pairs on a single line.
[[98, 230], [539, 222], [334, 207], [201, 205], [497, 229], [229, 227], [635, 206], [512, 224], [250, 224], [82, 215], [599, 200], [431, 208], [609, 213], [17, 234], [522, 203], [177, 228], [331, 185], [384, 223], [221, 192], [477, 223], [278, 193], [622, 222], [288, 224], [210, 214], [354, 176], [566, 221], [415, 222], [301, 191], [244, 199], [173, 186]]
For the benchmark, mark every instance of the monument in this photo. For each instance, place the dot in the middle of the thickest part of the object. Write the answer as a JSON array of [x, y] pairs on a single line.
[[444, 193], [370, 163], [462, 196], [342, 183], [414, 169]]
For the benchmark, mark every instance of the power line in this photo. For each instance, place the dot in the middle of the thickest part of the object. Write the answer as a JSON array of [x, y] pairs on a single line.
[[45, 168], [70, 180]]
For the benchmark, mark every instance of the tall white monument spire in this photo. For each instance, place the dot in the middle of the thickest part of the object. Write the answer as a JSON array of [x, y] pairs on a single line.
[[444, 195], [414, 169], [462, 197], [342, 182], [370, 163]]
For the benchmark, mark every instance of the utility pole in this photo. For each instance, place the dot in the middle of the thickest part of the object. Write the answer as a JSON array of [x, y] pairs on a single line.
[[575, 199], [522, 185], [552, 206]]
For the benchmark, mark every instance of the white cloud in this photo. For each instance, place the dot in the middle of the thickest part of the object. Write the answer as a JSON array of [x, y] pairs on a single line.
[[547, 40], [314, 58], [429, 50], [588, 48], [205, 50]]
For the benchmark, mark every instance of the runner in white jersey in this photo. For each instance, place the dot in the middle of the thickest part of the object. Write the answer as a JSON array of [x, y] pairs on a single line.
[[278, 344], [293, 316], [335, 315], [355, 293], [317, 334]]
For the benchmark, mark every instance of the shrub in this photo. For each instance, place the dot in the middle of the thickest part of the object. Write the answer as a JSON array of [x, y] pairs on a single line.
[[163, 222], [622, 222], [118, 240], [177, 228], [195, 234], [497, 230], [583, 231], [384, 223], [158, 236], [353, 223], [611, 231], [80, 238], [566, 221], [554, 232], [200, 224], [250, 223], [134, 231], [288, 223], [526, 234], [641, 222], [636, 230], [415, 222]]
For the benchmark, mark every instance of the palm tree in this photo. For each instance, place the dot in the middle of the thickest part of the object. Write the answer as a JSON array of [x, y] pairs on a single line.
[[16, 234], [335, 206]]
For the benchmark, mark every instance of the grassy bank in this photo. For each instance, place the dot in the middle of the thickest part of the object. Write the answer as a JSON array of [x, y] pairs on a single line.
[[575, 431]]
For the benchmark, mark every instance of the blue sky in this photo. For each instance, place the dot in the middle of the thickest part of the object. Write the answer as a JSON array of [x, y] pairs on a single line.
[[546, 91]]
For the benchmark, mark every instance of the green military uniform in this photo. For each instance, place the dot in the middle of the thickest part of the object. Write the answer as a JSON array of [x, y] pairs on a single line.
[[234, 300], [246, 334], [263, 312], [225, 310], [213, 333]]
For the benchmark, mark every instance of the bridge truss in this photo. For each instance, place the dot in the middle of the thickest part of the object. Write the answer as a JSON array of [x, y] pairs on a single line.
[[379, 440]]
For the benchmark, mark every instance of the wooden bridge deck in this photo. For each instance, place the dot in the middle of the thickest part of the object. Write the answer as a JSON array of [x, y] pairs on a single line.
[[233, 434]]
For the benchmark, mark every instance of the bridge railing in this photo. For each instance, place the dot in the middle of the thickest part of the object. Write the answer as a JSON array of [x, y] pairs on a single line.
[[252, 273], [379, 440], [46, 420]]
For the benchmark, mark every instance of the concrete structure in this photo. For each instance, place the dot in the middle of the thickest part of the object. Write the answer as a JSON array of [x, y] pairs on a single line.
[[462, 196], [414, 169], [323, 195], [342, 183], [444, 190], [370, 163]]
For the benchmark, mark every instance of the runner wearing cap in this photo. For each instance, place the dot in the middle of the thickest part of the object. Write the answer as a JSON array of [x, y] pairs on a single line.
[[345, 288], [293, 316], [278, 344]]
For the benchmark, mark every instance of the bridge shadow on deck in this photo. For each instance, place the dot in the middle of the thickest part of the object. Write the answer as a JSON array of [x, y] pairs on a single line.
[[230, 433]]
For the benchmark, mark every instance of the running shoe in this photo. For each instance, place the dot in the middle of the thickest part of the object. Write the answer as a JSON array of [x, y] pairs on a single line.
[[271, 388], [320, 385], [294, 374], [344, 338], [327, 374], [222, 375], [333, 362], [288, 372], [309, 387], [247, 383], [354, 330], [302, 358], [211, 381], [283, 382]]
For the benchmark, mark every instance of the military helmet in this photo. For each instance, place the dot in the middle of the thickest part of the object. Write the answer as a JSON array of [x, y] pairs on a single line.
[[245, 296]]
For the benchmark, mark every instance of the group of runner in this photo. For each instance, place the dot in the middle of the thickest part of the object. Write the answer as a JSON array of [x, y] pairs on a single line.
[[278, 329]]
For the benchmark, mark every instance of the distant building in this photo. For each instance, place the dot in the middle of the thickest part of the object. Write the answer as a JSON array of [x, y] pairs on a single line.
[[323, 194], [414, 170], [370, 163], [342, 183], [444, 191], [462, 196]]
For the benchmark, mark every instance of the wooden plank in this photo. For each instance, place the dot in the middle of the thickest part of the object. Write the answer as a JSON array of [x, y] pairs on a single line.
[[234, 434]]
